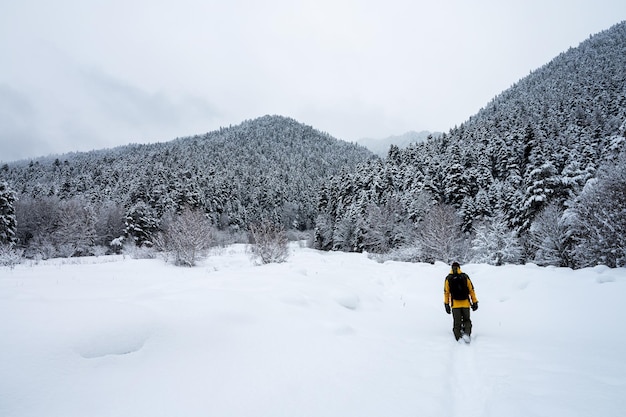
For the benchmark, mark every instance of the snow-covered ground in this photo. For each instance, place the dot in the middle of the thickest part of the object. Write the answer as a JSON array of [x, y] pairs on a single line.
[[325, 334]]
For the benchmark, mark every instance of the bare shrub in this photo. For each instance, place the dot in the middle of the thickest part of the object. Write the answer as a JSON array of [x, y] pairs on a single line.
[[407, 253], [268, 243], [187, 237], [40, 248], [9, 256], [138, 252]]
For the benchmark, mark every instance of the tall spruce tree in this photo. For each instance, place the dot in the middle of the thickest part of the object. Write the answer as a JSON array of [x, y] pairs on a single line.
[[8, 222]]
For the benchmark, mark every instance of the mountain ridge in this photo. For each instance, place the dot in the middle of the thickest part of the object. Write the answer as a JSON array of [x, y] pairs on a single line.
[[265, 168]]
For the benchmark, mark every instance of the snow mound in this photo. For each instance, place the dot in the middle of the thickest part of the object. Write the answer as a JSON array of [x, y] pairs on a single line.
[[349, 300], [113, 342]]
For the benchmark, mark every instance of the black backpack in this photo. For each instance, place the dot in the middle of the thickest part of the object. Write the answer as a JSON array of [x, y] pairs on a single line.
[[458, 286]]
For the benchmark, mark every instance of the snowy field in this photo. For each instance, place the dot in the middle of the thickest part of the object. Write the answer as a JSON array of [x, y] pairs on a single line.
[[325, 334]]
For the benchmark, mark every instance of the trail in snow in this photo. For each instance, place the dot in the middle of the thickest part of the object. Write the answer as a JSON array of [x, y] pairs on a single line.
[[470, 389]]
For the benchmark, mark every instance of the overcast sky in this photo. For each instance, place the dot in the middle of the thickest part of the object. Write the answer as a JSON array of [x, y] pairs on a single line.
[[77, 75]]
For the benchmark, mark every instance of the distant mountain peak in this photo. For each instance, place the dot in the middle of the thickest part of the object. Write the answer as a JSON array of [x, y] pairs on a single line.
[[381, 146]]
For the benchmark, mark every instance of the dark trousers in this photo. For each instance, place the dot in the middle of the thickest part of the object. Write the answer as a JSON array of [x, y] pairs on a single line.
[[462, 322]]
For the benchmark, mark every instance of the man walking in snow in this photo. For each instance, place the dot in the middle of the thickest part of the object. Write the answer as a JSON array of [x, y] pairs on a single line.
[[458, 298]]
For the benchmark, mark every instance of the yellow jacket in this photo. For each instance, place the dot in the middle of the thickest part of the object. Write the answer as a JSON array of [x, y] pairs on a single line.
[[447, 297]]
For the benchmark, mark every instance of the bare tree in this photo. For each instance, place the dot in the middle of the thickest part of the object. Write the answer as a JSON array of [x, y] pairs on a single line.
[[37, 219], [76, 231], [109, 225], [494, 243], [439, 235]]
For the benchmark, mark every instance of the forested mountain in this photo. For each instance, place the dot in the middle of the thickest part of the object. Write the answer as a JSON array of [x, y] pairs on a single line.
[[537, 175], [513, 183], [267, 168]]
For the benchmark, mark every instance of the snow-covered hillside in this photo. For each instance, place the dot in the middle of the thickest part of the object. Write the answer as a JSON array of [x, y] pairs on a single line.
[[325, 334]]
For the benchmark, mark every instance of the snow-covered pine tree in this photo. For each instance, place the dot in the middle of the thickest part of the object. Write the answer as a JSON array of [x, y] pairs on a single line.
[[467, 212], [141, 224], [540, 180], [386, 226], [598, 218], [347, 232], [323, 233], [8, 221]]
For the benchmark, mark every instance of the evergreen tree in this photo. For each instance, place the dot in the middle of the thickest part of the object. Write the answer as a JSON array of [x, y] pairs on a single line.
[[347, 232], [386, 227], [323, 233], [467, 213], [598, 219], [8, 221], [141, 224], [542, 182]]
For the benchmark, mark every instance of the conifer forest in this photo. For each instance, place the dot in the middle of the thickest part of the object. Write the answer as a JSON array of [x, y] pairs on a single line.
[[538, 175]]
